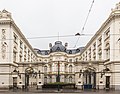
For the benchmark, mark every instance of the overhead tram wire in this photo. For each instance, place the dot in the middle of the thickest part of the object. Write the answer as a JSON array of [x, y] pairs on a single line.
[[64, 36], [42, 37], [51, 37], [84, 23]]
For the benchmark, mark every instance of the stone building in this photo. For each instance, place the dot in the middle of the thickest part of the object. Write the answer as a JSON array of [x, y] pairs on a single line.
[[96, 65]]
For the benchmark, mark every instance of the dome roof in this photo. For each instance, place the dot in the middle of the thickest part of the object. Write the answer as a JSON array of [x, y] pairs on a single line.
[[58, 47]]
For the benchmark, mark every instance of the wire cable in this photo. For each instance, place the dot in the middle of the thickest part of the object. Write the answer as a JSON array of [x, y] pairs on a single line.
[[85, 22]]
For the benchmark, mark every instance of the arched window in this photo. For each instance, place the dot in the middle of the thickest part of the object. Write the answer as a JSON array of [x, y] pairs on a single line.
[[45, 80], [70, 79], [45, 69], [50, 79], [77, 50], [58, 49], [70, 52], [70, 68]]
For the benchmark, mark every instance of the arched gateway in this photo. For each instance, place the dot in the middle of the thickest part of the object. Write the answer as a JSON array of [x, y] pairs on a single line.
[[29, 74], [89, 78]]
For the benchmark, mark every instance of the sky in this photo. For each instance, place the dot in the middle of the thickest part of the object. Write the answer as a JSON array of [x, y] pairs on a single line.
[[44, 18]]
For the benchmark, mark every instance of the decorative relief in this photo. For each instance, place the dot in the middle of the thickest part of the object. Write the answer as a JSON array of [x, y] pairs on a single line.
[[3, 44], [5, 14], [3, 34], [3, 49]]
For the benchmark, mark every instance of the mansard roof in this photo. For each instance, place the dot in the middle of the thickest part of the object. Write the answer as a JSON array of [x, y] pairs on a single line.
[[58, 47]]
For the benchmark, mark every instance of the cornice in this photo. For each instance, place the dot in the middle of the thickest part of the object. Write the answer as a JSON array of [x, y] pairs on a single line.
[[13, 64], [110, 19], [28, 63], [2, 22], [12, 24], [22, 36]]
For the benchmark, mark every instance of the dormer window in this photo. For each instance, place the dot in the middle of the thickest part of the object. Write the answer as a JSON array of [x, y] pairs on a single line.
[[58, 49], [77, 50], [70, 52]]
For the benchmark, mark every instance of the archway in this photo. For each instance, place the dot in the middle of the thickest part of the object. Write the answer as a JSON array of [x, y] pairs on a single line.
[[28, 72], [89, 78]]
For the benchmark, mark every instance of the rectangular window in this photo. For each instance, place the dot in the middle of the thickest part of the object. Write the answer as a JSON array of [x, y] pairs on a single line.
[[15, 38], [107, 53], [100, 56], [99, 41], [107, 33], [20, 58], [14, 56], [21, 44]]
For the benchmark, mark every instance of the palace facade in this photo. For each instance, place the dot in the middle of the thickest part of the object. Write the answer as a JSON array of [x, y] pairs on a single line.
[[96, 65]]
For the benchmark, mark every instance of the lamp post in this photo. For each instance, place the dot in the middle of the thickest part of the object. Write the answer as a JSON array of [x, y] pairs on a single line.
[[58, 76]]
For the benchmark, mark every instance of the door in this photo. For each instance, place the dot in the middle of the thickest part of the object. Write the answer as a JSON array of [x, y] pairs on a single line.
[[107, 82], [14, 82], [89, 79], [26, 80]]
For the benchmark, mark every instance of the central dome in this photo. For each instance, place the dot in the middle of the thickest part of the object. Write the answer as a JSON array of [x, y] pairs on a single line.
[[58, 47]]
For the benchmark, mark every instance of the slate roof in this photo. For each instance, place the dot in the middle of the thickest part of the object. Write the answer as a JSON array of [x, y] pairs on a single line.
[[58, 47]]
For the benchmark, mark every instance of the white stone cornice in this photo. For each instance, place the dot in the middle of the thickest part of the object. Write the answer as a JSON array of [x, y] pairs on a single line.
[[110, 18], [5, 22], [22, 36], [9, 64]]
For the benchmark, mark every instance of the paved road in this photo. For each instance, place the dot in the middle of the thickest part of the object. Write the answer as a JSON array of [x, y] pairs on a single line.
[[60, 92]]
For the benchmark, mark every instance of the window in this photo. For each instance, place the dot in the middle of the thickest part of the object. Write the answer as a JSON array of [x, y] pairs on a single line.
[[70, 60], [107, 33], [70, 52], [77, 50], [70, 79], [45, 80], [70, 68], [94, 46], [99, 41], [14, 56], [46, 53], [100, 53], [3, 34], [24, 59], [15, 38], [21, 44], [76, 60], [65, 80], [45, 69], [20, 58], [107, 53], [58, 49], [100, 56], [25, 48], [50, 79]]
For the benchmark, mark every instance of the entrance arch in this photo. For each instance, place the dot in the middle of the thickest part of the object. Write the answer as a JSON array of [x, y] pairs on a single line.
[[89, 78], [28, 72]]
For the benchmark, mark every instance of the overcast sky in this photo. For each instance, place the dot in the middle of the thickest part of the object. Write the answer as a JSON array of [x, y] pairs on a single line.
[[43, 18]]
